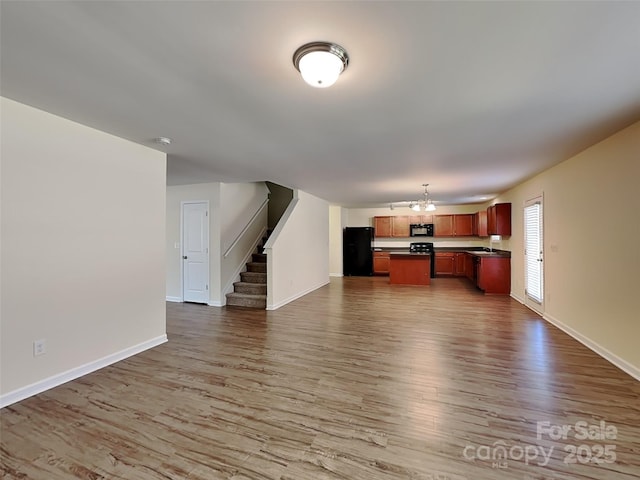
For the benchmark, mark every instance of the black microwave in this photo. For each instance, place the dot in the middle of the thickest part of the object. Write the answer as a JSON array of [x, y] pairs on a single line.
[[421, 229]]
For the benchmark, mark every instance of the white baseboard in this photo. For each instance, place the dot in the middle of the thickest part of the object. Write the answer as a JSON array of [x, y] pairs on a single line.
[[59, 379], [599, 349], [174, 299], [336, 275], [295, 297], [516, 297], [216, 304]]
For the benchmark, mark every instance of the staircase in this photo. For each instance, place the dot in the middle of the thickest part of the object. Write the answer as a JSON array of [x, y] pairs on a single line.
[[251, 290]]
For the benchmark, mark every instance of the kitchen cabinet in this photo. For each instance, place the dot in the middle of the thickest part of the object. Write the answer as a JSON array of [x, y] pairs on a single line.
[[400, 226], [414, 219], [445, 264], [481, 224], [499, 219], [381, 263], [463, 225], [443, 225], [453, 225], [469, 267], [459, 264], [494, 274], [382, 226], [392, 226]]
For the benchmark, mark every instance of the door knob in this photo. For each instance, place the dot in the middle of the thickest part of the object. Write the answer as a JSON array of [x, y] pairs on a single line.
[[184, 257]]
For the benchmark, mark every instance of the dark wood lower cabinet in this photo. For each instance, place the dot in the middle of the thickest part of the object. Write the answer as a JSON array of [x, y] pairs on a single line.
[[410, 269], [450, 264], [494, 275], [459, 264], [491, 274], [445, 264], [381, 263]]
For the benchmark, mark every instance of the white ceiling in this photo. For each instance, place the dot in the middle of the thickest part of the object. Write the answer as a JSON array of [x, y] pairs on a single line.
[[470, 97]]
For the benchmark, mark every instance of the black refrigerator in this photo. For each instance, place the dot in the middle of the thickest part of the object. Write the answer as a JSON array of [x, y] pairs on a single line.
[[357, 254]]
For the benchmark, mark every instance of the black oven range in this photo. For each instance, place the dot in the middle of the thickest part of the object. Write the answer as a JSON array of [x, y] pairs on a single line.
[[426, 248]]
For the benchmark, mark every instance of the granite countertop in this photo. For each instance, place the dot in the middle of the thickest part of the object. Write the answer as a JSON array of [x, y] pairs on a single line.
[[498, 253], [407, 253], [479, 251]]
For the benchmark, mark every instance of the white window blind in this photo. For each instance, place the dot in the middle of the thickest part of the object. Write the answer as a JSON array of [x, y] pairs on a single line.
[[533, 250]]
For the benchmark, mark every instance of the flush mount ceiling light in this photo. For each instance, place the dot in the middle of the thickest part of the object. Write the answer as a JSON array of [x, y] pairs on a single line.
[[425, 204], [320, 63]]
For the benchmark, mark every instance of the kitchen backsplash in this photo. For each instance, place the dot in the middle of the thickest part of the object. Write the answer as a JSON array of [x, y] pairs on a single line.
[[437, 242]]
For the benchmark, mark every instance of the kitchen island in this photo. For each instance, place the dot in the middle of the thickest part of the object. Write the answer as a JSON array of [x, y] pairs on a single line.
[[407, 268]]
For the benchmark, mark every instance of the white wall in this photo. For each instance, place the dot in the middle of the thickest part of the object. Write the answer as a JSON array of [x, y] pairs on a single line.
[[239, 203], [83, 219], [206, 192], [337, 217], [231, 206], [298, 250], [592, 259]]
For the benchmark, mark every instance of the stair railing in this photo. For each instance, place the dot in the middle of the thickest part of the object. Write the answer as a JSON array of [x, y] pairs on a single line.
[[246, 227]]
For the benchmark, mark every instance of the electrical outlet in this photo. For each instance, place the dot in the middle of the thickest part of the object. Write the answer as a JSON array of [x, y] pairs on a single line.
[[39, 347]]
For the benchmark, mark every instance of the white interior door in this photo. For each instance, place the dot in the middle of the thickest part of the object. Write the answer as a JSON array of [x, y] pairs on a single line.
[[195, 252], [534, 254]]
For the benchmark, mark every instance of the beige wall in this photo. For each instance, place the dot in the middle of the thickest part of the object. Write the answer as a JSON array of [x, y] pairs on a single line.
[[239, 207], [592, 260], [83, 219], [337, 218], [205, 192], [298, 250], [231, 206]]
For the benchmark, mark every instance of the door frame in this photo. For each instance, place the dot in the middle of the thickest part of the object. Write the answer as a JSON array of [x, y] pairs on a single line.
[[538, 307], [181, 250]]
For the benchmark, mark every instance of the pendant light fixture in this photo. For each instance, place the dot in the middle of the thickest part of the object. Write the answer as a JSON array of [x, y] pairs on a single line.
[[320, 63], [425, 204]]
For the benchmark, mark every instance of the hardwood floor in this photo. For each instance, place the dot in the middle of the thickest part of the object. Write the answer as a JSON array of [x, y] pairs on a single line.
[[358, 380]]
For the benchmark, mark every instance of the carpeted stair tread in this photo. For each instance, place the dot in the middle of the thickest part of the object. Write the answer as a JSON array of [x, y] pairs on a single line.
[[250, 288], [253, 277], [259, 257], [246, 300], [259, 267]]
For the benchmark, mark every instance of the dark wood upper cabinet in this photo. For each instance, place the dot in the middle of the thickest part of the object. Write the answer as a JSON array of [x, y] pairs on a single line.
[[481, 224], [417, 219], [393, 226], [382, 226], [499, 219], [443, 225], [400, 226], [463, 225], [458, 225]]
